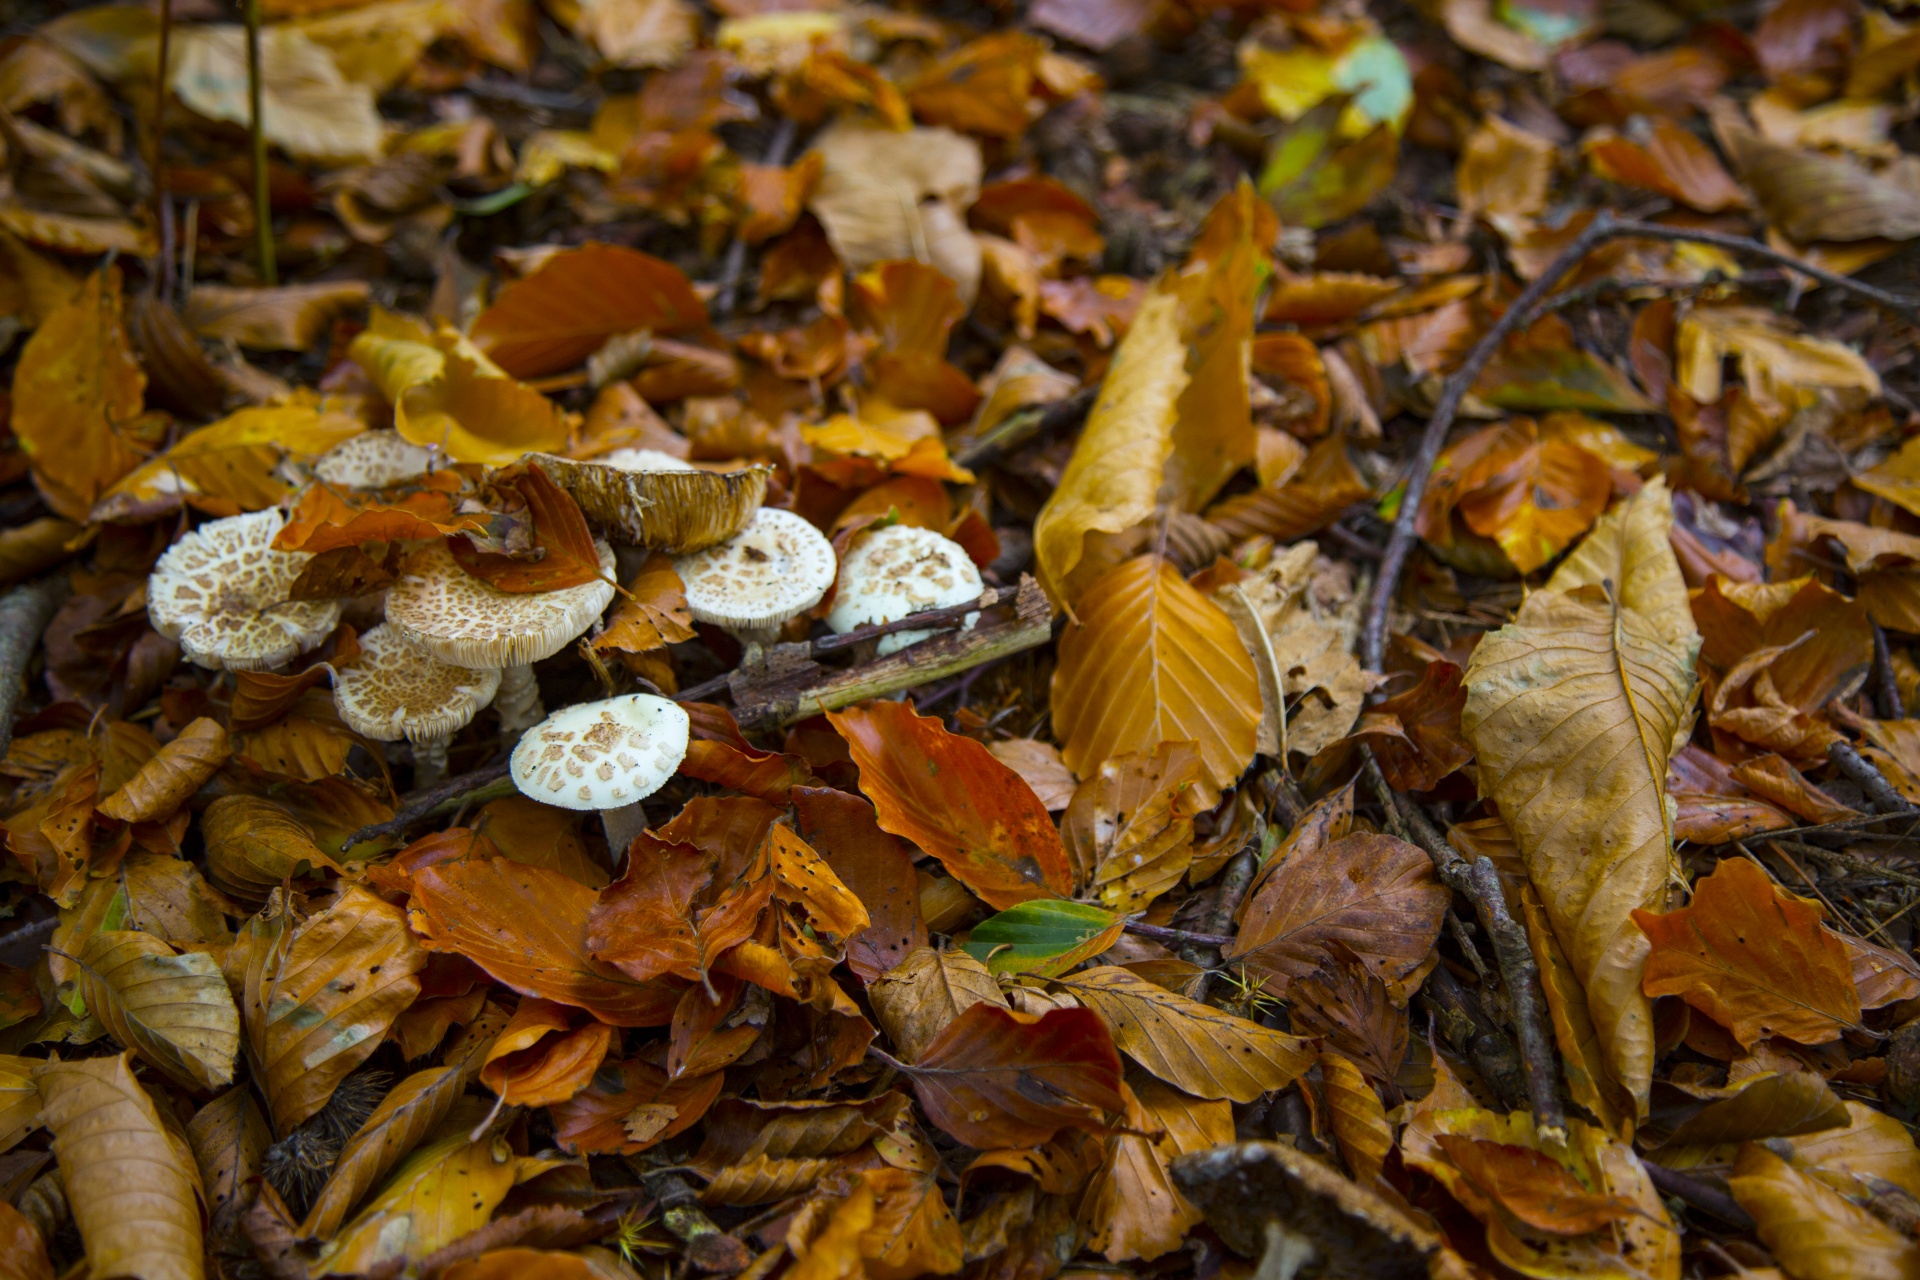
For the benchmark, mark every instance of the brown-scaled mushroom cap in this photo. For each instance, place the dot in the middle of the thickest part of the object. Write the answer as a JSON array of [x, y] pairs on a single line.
[[372, 460], [900, 570], [1262, 1195], [460, 619], [602, 755], [221, 591], [774, 569], [675, 511], [399, 690]]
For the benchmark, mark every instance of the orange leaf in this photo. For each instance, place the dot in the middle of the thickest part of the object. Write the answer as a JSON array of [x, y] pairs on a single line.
[[1672, 162], [529, 1065], [569, 557], [995, 1078], [559, 315], [948, 795], [325, 519], [1752, 957], [632, 1098], [1416, 734], [765, 775], [654, 614], [876, 866], [169, 780], [1533, 1186], [527, 927]]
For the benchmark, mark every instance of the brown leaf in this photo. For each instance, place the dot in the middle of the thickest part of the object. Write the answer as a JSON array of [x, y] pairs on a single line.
[[1373, 893], [1129, 829], [1532, 1186], [409, 1112], [23, 1253], [1752, 957], [995, 1078], [1415, 734], [288, 318], [876, 866], [1354, 1013], [325, 520], [1133, 1209], [230, 1138], [948, 795], [653, 614], [554, 318], [527, 927], [568, 555], [173, 1010], [926, 992], [1813, 1230], [165, 782], [596, 1119], [540, 1058]]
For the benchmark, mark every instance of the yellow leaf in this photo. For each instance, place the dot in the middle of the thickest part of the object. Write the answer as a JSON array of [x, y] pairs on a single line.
[[446, 394], [1777, 364], [635, 33], [1354, 1113], [1212, 422], [414, 1109], [130, 1179], [1504, 171], [1581, 1056], [76, 387], [913, 1232], [173, 1010], [1151, 661], [377, 45], [307, 107], [1574, 709], [1874, 1146], [1201, 1050], [1815, 1232], [1133, 1209], [19, 1100], [833, 1252], [230, 466]]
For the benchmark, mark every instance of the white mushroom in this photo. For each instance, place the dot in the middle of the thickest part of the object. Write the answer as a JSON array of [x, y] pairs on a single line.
[[221, 591], [372, 460], [606, 755], [776, 568], [900, 570], [399, 690], [465, 622]]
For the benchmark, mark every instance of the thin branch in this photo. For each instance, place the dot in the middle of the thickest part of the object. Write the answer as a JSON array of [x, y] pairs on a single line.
[[736, 261], [1887, 703], [1851, 861], [423, 804], [1698, 1194], [1905, 306], [262, 202], [1879, 791], [157, 167], [1178, 937]]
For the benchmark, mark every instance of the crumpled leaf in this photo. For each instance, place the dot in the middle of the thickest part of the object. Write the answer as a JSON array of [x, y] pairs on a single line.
[[1129, 828], [884, 195], [631, 1106], [1754, 958], [1780, 367], [173, 1010], [916, 999], [291, 317], [1573, 710], [129, 1176], [1311, 687], [229, 466], [1133, 1209], [170, 778]]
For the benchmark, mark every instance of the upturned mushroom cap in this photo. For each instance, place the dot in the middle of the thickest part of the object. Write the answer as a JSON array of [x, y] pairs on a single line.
[[774, 569], [372, 460], [899, 570], [399, 690], [221, 591], [1261, 1195], [602, 755], [461, 620], [664, 504]]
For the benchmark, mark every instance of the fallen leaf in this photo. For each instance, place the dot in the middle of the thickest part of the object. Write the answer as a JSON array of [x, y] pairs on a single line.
[[540, 1058], [995, 1078], [413, 1109], [916, 999], [948, 795], [553, 318], [1532, 1186], [653, 614], [913, 1232], [634, 33], [1573, 711], [173, 1010], [230, 466], [1752, 957], [1044, 936], [306, 107], [595, 1119], [170, 778], [884, 195], [1813, 1230], [290, 317], [1133, 1209], [569, 555], [876, 866], [1415, 735], [129, 1177], [1504, 171], [1040, 766], [1672, 162]]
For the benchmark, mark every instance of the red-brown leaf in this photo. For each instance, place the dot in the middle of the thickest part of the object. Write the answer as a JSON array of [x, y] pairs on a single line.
[[568, 557], [559, 315]]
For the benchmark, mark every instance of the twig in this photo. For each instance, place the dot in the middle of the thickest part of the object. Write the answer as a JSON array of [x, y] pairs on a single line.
[[1851, 861], [24, 614], [1235, 879], [736, 261], [1027, 425], [422, 804], [1698, 1194], [262, 202], [1604, 227], [158, 165], [1879, 791], [1179, 937], [1471, 1031], [1479, 884], [1887, 703]]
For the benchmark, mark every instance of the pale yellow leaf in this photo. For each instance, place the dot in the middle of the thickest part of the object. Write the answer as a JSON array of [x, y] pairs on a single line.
[[173, 1010], [307, 107]]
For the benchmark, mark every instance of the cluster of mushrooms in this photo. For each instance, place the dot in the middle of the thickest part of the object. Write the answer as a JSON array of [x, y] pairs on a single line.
[[451, 644]]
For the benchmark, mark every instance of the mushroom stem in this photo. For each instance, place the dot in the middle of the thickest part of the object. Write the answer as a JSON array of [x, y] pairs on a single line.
[[518, 701], [1287, 1252], [429, 762], [621, 826]]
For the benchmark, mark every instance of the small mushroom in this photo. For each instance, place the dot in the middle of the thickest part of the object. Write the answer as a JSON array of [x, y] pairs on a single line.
[[776, 568], [1300, 1217], [607, 755], [372, 460], [465, 622], [221, 591], [399, 690], [900, 570], [659, 501]]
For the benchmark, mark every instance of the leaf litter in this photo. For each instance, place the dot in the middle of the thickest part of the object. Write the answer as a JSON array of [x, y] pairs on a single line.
[[1426, 787]]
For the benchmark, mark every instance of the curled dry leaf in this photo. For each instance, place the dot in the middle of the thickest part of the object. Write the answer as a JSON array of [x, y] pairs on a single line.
[[948, 795], [288, 318], [1133, 1209], [677, 512], [165, 782], [540, 1058], [631, 1106], [1573, 710], [1814, 1231], [1129, 830], [130, 1179], [926, 992], [876, 866], [173, 1010], [413, 1109], [1311, 687], [555, 317]]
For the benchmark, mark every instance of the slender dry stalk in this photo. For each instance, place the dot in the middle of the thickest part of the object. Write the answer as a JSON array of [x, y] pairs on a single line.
[[262, 205]]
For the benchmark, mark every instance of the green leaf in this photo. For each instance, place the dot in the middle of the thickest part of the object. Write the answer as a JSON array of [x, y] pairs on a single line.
[[1046, 936]]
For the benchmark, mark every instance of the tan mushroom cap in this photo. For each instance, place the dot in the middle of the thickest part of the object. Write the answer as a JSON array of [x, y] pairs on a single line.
[[899, 570], [776, 568], [399, 690], [221, 591], [461, 620], [665, 504], [372, 460], [602, 755]]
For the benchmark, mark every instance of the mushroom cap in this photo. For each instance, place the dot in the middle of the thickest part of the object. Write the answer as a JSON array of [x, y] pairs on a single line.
[[372, 460], [463, 621], [602, 755], [644, 460], [399, 690], [774, 569], [661, 503], [1245, 1186], [899, 570], [221, 591]]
